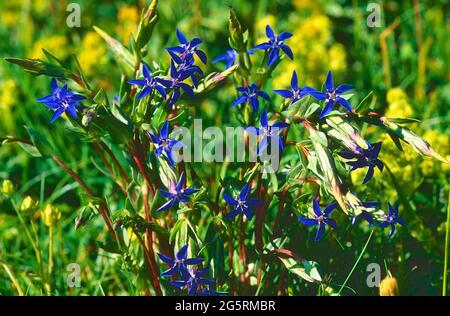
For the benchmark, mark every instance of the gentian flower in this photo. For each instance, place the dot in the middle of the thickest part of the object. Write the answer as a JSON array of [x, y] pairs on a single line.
[[149, 83], [242, 205], [365, 158], [391, 219], [321, 219], [268, 131], [164, 143], [296, 93], [184, 53], [229, 58], [274, 44], [176, 194], [176, 83], [332, 95], [61, 100], [250, 94], [180, 263], [193, 282], [365, 214]]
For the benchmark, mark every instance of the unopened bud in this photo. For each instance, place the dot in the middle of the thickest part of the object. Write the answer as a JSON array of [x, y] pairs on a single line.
[[28, 204], [8, 188], [389, 286], [50, 215]]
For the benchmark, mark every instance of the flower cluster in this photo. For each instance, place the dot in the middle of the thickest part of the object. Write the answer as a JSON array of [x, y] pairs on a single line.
[[61, 100], [193, 280]]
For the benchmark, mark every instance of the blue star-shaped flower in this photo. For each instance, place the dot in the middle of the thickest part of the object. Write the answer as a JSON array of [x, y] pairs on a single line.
[[274, 45], [321, 219], [175, 82], [176, 194], [180, 263], [250, 94], [391, 219], [268, 131], [184, 53], [61, 100], [296, 93], [164, 144], [242, 205], [229, 58], [365, 214], [332, 95], [194, 282], [149, 83], [365, 158]]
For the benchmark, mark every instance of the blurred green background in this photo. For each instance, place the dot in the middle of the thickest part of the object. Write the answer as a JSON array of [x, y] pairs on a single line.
[[404, 62]]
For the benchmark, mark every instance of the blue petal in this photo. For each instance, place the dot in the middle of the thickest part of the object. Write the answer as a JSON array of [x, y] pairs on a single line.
[[269, 32], [287, 50], [320, 232], [327, 109], [369, 175], [181, 38], [264, 119], [316, 208], [329, 83], [182, 253], [284, 93], [294, 81]]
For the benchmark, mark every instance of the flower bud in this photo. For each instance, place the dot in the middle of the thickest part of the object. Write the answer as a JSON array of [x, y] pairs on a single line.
[[50, 215], [389, 286], [7, 188], [28, 204]]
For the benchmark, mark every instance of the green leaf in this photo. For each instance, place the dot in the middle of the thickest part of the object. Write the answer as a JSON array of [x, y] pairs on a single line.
[[121, 53], [40, 142], [365, 103], [307, 270]]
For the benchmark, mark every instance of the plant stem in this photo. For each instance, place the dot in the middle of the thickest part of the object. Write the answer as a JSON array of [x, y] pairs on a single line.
[[446, 245], [103, 210], [50, 249], [356, 263]]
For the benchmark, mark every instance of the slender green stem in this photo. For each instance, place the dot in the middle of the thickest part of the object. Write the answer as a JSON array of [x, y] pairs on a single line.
[[356, 263], [447, 238]]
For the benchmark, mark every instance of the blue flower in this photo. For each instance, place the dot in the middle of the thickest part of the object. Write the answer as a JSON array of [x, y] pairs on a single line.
[[184, 53], [61, 100], [242, 205], [229, 58], [268, 131], [365, 214], [332, 95], [321, 219], [274, 45], [250, 94], [175, 82], [193, 282], [365, 158], [164, 143], [296, 93], [149, 83], [180, 263], [176, 194], [391, 219]]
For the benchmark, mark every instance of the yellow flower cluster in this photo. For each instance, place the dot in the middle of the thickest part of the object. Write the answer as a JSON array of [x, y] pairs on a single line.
[[128, 17], [55, 44], [398, 104], [314, 51], [7, 93], [92, 52]]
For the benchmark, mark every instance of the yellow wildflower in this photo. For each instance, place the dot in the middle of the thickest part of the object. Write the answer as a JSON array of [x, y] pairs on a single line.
[[389, 286], [55, 44], [128, 17], [92, 52]]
